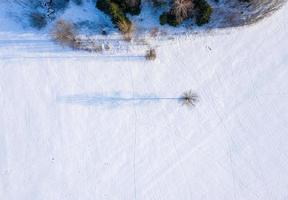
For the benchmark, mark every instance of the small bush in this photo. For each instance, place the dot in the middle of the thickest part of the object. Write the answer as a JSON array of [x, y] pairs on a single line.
[[182, 9], [117, 15], [104, 5], [169, 18], [64, 33], [132, 7], [38, 20], [163, 18], [204, 11], [151, 54], [172, 20]]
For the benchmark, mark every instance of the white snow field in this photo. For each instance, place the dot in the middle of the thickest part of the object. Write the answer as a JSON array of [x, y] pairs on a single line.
[[62, 139]]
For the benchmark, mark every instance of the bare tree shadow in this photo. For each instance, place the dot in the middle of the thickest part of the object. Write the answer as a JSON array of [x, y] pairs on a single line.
[[114, 100]]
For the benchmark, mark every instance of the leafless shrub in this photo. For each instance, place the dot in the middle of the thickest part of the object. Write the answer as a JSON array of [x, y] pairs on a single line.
[[64, 33], [182, 9], [189, 98], [151, 54]]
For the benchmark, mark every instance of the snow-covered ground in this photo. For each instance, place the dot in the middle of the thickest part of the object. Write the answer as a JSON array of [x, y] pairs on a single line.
[[60, 140]]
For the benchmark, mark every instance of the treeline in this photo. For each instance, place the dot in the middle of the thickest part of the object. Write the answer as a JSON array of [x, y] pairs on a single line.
[[177, 12]]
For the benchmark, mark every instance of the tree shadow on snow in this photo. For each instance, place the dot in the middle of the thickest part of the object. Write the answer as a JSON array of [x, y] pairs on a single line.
[[114, 100]]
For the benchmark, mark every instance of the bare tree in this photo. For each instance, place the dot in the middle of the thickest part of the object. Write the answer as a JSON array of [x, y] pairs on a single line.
[[189, 98], [182, 9]]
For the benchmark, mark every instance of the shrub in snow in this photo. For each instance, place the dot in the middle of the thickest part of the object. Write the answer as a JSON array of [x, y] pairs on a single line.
[[203, 13], [117, 15], [104, 5], [185, 9], [182, 9], [163, 18], [64, 33], [132, 7], [150, 54], [168, 18]]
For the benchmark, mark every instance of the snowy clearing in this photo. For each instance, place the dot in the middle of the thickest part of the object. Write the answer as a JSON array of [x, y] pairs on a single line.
[[61, 136]]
